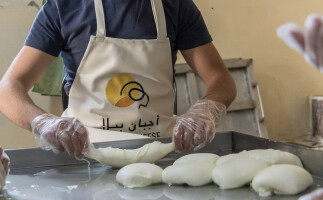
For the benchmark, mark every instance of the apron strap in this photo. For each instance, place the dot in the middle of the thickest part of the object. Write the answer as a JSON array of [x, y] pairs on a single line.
[[158, 12], [160, 20], [100, 22]]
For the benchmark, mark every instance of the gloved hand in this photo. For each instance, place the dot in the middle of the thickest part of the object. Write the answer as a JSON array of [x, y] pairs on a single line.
[[196, 128], [59, 134], [5, 161], [308, 42], [4, 166], [316, 195]]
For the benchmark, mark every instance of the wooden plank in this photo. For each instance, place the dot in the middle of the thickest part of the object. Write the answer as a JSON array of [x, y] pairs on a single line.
[[259, 112], [246, 105], [237, 63], [182, 69], [234, 63], [316, 110], [248, 87]]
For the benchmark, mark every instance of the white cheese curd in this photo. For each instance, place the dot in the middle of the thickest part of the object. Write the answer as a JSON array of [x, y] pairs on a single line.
[[281, 179], [228, 157], [197, 157], [139, 175], [193, 174], [115, 157], [100, 135], [237, 172], [273, 157]]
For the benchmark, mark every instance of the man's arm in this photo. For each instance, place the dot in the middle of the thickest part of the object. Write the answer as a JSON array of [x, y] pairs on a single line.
[[207, 63], [196, 128], [25, 70], [56, 133]]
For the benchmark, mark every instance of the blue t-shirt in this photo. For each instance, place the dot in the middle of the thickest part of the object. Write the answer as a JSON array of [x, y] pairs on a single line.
[[65, 26]]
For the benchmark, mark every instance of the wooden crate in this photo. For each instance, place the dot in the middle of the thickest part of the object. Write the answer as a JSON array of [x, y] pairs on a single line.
[[245, 114]]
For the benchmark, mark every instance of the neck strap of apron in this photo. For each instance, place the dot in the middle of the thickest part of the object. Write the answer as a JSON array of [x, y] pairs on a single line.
[[158, 12]]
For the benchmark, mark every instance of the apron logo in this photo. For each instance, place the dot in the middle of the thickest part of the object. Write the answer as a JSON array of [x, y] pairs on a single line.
[[123, 90]]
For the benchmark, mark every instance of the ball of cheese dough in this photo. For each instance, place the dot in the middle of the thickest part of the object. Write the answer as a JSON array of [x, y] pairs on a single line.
[[193, 174], [197, 157], [273, 157], [281, 179], [139, 175], [237, 172], [228, 157], [115, 157]]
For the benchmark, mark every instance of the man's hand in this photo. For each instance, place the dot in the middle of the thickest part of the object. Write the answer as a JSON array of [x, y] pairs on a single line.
[[196, 127], [4, 160], [4, 167], [308, 42], [61, 134]]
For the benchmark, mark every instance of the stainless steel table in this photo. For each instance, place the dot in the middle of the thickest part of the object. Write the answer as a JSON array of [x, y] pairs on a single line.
[[38, 174]]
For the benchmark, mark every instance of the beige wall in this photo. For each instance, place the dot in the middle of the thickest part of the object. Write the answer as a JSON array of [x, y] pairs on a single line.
[[16, 18], [247, 29], [239, 28]]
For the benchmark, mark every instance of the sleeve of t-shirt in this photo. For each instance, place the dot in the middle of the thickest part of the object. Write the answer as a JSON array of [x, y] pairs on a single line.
[[45, 33], [192, 30]]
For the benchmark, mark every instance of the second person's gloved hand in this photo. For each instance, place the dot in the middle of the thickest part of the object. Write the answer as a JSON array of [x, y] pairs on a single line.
[[4, 167], [5, 161], [308, 42], [315, 195], [196, 127], [61, 134]]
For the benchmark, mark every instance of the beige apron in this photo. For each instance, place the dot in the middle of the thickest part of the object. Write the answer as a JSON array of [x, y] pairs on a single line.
[[125, 85]]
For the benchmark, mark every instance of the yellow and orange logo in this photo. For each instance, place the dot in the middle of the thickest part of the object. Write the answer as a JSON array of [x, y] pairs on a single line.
[[123, 90]]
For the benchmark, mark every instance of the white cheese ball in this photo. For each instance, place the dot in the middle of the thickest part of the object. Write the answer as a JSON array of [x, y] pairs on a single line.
[[281, 179], [237, 172], [197, 157], [193, 174], [117, 158], [228, 157], [273, 157], [139, 175]]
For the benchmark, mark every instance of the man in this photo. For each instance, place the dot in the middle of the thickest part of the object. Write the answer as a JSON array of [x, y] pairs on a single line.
[[308, 42], [119, 58]]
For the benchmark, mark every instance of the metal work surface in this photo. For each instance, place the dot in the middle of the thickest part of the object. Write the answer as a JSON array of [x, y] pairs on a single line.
[[37, 174]]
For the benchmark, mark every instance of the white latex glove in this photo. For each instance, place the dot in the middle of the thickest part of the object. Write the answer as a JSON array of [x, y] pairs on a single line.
[[196, 127], [4, 167], [308, 42], [61, 133], [315, 195]]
